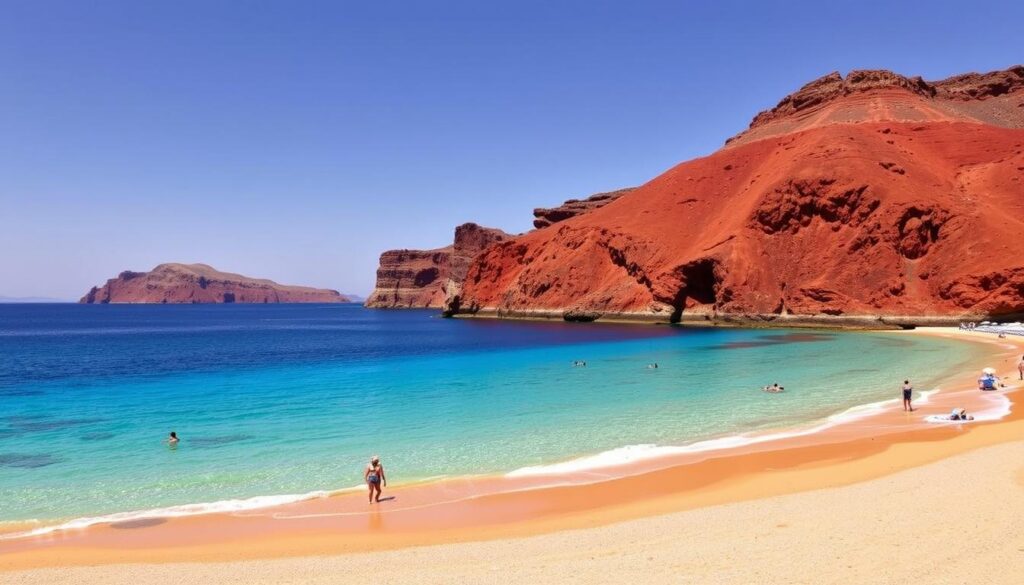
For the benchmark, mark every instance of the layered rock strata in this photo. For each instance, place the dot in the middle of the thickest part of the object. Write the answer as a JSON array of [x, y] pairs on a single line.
[[426, 278]]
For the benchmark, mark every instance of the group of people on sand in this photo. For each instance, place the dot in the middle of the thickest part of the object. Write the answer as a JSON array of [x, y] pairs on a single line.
[[908, 394], [987, 382], [990, 328]]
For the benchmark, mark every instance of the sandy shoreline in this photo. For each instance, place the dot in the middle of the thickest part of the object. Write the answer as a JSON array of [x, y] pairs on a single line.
[[955, 521], [837, 457]]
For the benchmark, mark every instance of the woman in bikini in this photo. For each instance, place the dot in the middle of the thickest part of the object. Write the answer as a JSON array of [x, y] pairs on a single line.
[[374, 477]]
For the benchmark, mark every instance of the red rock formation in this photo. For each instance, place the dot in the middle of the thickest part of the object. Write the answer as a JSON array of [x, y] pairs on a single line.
[[865, 96], [867, 200], [470, 241], [199, 283], [411, 279], [573, 207], [425, 278]]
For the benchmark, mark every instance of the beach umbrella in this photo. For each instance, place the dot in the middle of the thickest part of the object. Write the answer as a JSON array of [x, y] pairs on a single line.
[[991, 371]]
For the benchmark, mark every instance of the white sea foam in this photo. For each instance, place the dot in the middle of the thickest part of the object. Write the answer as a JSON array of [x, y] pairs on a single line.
[[219, 507], [631, 454], [999, 406]]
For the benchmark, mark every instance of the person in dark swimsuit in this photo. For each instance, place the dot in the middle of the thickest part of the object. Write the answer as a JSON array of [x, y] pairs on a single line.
[[374, 477], [908, 392]]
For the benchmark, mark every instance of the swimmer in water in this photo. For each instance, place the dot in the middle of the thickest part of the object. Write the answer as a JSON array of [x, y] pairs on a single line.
[[172, 440], [374, 477]]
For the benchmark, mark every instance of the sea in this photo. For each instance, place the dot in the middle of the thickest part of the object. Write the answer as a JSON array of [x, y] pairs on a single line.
[[275, 403]]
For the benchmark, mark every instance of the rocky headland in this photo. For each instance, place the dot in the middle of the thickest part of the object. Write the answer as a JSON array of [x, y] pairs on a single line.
[[418, 279], [871, 200], [199, 283]]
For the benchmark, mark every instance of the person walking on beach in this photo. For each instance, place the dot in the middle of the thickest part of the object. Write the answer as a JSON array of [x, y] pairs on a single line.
[[374, 477], [1020, 367], [908, 392]]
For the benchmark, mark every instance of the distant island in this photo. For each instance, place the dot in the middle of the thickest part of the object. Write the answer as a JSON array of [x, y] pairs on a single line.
[[200, 283]]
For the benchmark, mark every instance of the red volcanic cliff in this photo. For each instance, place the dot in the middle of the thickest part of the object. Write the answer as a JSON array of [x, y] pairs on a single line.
[[573, 207], [425, 278], [199, 283], [871, 199], [866, 96]]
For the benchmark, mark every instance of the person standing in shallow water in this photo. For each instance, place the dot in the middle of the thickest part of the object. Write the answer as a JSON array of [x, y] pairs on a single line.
[[908, 392], [172, 440], [374, 477]]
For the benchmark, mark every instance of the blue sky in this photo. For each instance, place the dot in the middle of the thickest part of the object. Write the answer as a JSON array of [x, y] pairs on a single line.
[[298, 140]]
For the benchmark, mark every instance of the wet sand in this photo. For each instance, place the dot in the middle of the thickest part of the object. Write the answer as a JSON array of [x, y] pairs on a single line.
[[483, 509]]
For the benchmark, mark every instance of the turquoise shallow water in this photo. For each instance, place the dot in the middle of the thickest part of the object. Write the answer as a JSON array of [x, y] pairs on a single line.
[[291, 399]]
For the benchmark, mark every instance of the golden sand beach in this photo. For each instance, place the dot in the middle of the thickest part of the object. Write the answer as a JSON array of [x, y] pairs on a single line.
[[953, 521]]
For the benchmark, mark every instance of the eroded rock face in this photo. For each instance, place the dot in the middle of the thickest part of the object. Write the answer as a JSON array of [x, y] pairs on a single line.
[[546, 216], [798, 203], [426, 278], [199, 283], [412, 279], [979, 86], [878, 95], [834, 86], [433, 278], [874, 196]]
